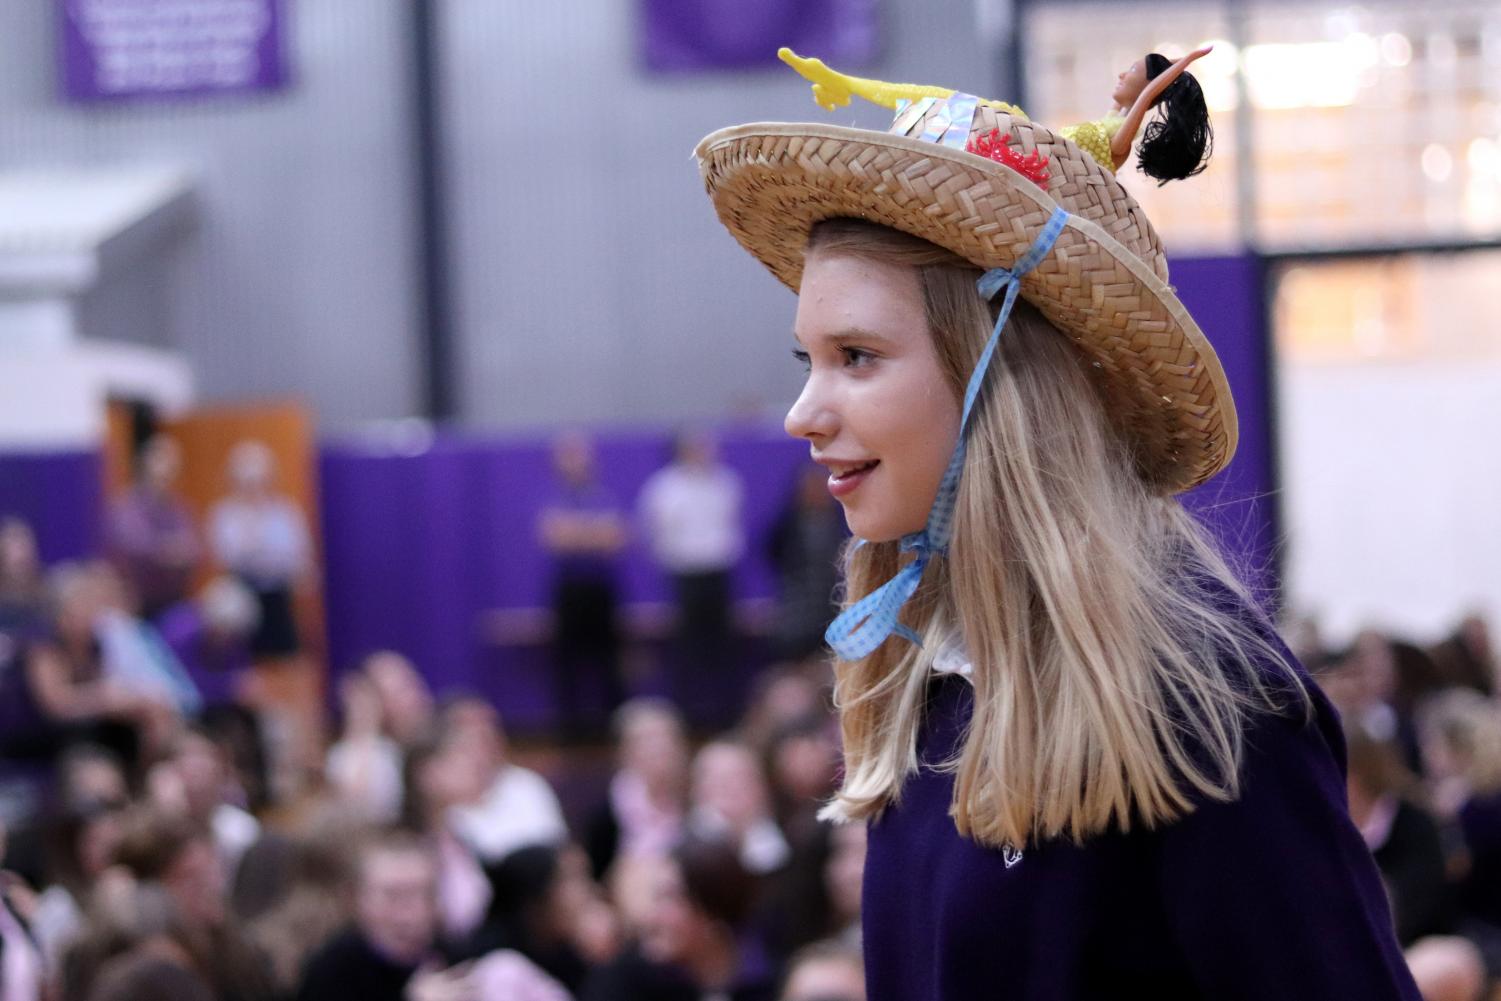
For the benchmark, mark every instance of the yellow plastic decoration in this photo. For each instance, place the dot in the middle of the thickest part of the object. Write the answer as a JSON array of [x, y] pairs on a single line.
[[832, 89]]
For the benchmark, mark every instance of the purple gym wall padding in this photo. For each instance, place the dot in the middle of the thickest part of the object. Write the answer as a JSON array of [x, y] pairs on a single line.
[[61, 495], [1240, 504]]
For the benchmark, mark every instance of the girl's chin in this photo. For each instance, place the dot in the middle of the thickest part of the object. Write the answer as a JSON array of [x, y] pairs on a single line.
[[873, 529]]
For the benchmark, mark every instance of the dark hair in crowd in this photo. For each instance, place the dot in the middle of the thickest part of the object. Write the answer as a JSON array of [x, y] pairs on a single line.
[[715, 881], [1178, 143]]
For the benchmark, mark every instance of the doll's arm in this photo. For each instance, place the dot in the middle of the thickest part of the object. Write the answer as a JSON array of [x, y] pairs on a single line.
[[1120, 146]]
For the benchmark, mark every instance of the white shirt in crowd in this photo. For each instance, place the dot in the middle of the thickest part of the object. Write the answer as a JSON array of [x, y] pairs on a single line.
[[692, 518], [265, 541], [519, 810]]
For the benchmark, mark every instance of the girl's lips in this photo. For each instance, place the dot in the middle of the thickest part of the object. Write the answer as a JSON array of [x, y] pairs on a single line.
[[843, 486]]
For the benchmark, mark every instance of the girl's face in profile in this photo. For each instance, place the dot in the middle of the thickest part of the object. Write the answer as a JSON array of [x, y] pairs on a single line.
[[876, 408]]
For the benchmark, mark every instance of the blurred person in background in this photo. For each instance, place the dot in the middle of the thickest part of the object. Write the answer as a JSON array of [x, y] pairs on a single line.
[[132, 921], [392, 952], [261, 537], [295, 893], [1467, 658], [439, 778], [644, 808], [731, 800], [825, 971], [518, 807], [817, 897], [780, 695], [395, 929], [134, 651], [1406, 844], [1460, 731], [194, 780], [151, 534], [22, 591], [802, 761], [406, 702], [83, 835], [65, 693], [804, 546], [363, 767], [695, 943], [691, 510], [22, 972], [545, 907], [583, 529], [210, 636], [181, 856]]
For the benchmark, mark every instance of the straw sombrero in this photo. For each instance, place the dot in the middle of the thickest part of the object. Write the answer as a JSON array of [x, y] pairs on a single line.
[[1104, 283]]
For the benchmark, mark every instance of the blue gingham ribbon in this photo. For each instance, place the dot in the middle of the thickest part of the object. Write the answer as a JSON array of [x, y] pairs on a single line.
[[865, 625]]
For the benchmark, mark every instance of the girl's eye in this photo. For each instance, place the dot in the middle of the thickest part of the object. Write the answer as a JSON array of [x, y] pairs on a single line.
[[857, 357], [803, 359]]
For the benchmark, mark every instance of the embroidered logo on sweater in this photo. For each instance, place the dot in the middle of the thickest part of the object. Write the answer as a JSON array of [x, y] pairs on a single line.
[[1010, 855]]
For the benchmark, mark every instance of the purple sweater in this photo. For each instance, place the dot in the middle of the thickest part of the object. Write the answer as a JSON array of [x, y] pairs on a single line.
[[1272, 896]]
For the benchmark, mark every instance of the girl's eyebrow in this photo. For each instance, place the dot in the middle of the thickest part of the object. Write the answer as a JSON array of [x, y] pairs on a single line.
[[850, 334]]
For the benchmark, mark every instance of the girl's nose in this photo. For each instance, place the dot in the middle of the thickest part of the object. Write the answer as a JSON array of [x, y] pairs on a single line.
[[809, 416]]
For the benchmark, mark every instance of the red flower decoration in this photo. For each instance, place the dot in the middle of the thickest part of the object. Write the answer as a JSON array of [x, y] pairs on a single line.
[[1033, 166]]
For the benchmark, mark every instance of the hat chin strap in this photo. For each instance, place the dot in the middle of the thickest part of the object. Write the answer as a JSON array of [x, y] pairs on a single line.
[[864, 626]]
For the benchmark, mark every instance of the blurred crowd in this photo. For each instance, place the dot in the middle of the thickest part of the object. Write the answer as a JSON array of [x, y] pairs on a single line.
[[158, 842], [1423, 739]]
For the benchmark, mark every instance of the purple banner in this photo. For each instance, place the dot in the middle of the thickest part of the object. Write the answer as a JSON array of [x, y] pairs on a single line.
[[733, 34], [140, 49]]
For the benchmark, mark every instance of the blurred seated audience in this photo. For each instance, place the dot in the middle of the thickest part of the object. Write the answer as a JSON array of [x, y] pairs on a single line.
[[82, 829], [695, 943], [518, 807], [68, 692], [1405, 842], [730, 799], [817, 897], [179, 855], [406, 702], [22, 973], [802, 760], [644, 808], [545, 907], [783, 693], [210, 636], [825, 971], [296, 893], [363, 768], [1461, 737], [151, 535], [194, 780], [1466, 658], [134, 651], [439, 778], [804, 546], [22, 595], [393, 952], [387, 708]]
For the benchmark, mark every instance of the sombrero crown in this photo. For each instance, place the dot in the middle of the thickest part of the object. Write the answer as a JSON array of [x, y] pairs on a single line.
[[978, 178]]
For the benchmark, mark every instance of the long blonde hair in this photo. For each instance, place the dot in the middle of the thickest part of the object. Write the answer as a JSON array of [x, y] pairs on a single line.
[[1112, 684]]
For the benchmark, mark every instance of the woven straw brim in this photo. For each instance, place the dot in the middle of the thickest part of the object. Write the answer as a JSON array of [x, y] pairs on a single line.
[[1157, 374]]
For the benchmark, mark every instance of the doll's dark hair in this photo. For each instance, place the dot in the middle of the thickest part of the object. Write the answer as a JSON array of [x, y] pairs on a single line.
[[1178, 143]]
